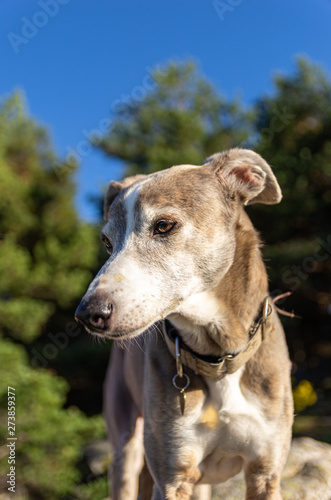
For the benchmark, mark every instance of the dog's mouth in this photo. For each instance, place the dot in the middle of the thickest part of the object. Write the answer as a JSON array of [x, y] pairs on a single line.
[[118, 335], [101, 323]]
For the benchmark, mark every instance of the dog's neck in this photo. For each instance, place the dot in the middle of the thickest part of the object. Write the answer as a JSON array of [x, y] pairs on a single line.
[[218, 321]]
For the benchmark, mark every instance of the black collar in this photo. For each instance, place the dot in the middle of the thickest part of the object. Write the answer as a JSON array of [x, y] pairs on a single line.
[[172, 333]]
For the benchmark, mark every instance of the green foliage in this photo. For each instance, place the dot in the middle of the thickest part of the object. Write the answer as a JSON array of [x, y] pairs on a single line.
[[46, 253], [96, 490], [47, 257], [294, 127], [49, 438], [182, 120]]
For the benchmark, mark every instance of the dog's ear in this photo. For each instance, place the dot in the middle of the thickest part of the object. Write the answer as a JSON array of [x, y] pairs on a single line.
[[248, 174], [114, 189]]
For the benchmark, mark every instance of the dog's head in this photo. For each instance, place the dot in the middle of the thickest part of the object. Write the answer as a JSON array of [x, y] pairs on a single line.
[[170, 236]]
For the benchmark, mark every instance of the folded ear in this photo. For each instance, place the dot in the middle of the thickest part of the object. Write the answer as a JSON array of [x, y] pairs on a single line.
[[246, 173], [114, 189]]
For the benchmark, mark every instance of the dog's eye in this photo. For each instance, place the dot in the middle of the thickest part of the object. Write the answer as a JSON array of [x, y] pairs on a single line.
[[163, 226], [108, 245]]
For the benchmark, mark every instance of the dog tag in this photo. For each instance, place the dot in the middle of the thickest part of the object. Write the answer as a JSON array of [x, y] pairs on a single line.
[[182, 400]]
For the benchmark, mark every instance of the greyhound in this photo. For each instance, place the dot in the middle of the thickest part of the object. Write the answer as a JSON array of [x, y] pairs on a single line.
[[205, 391]]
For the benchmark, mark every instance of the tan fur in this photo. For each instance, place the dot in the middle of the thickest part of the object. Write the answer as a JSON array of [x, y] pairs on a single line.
[[240, 421]]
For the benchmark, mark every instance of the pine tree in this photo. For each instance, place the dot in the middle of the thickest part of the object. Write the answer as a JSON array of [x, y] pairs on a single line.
[[47, 257], [294, 129], [181, 120]]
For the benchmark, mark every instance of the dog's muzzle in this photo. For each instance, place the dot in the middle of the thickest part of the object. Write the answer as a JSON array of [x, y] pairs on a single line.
[[94, 314]]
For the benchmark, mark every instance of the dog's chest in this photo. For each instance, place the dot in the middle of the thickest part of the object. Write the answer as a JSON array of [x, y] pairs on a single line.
[[226, 430]]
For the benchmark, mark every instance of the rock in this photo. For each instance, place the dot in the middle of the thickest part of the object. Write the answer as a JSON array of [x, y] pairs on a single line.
[[307, 474]]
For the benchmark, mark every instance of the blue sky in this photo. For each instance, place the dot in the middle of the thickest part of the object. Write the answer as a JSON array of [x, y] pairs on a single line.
[[74, 59]]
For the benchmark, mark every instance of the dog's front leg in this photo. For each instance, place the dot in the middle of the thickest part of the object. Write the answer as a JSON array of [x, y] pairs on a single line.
[[125, 428], [202, 492], [184, 492], [261, 485], [127, 464]]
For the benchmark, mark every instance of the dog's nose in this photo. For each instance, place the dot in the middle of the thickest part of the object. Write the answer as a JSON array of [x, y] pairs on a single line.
[[95, 314]]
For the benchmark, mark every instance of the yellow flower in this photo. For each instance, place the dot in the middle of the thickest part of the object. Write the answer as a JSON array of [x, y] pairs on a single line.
[[304, 395]]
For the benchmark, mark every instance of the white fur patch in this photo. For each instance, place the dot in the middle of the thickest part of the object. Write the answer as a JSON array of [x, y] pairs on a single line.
[[130, 199], [232, 417], [201, 308], [199, 313]]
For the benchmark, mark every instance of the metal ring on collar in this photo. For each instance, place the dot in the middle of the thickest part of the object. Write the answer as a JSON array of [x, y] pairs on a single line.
[[185, 386]]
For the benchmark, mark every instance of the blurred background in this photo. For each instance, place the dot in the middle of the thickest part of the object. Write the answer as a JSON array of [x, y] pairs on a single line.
[[94, 91]]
